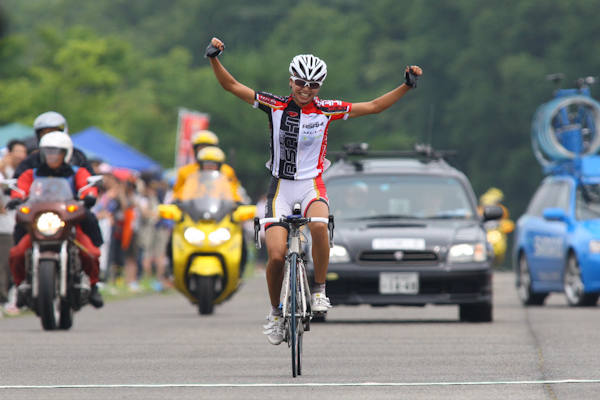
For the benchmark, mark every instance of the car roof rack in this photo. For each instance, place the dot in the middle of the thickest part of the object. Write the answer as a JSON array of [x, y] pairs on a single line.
[[421, 151]]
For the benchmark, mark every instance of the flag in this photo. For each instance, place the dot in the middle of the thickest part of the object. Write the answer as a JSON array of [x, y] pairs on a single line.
[[189, 122]]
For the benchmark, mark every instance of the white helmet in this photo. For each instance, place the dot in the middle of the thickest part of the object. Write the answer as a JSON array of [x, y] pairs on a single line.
[[50, 119], [308, 67], [58, 140]]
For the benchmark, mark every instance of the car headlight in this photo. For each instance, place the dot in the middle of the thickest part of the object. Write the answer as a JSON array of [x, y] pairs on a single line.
[[194, 236], [462, 253], [49, 223], [219, 237], [594, 246], [338, 254]]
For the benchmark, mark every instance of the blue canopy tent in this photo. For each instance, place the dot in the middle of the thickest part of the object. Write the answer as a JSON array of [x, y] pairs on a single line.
[[19, 131], [96, 143]]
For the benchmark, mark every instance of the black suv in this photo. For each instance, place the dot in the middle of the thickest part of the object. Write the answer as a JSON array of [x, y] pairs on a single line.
[[407, 232]]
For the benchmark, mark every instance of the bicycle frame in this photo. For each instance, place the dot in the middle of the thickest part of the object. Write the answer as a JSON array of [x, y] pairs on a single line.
[[295, 293]]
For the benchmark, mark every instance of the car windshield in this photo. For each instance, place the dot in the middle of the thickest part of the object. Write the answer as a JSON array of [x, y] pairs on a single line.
[[388, 197], [588, 202]]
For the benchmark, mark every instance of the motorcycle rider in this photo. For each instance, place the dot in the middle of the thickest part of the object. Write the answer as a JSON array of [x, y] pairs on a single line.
[[52, 121], [212, 158], [201, 140], [494, 197], [497, 230], [56, 150]]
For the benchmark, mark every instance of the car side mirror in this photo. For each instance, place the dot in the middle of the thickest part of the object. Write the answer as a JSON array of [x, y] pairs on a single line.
[[492, 212], [554, 214]]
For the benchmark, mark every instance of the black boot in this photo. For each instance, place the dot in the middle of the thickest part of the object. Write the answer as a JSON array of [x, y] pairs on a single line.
[[23, 292], [96, 298]]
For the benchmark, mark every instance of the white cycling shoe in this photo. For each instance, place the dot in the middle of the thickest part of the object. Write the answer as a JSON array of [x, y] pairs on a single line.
[[274, 329], [319, 303]]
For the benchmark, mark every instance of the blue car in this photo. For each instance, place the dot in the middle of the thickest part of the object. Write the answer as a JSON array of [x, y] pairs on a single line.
[[557, 240]]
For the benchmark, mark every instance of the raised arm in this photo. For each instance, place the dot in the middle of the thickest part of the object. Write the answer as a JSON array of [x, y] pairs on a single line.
[[387, 100], [226, 80]]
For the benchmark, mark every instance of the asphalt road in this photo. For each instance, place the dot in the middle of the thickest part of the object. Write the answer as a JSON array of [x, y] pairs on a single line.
[[158, 347]]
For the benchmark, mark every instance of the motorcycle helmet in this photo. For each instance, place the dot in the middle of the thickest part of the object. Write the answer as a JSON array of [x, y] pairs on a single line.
[[204, 138], [211, 158], [492, 197], [50, 119], [308, 67], [57, 140]]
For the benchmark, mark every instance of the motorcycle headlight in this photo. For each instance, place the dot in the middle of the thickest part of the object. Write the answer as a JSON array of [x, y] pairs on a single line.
[[494, 236], [462, 253], [49, 223], [338, 254], [194, 236], [219, 237]]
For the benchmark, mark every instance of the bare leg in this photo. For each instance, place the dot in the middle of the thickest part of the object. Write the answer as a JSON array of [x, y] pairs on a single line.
[[320, 240], [147, 266], [276, 240]]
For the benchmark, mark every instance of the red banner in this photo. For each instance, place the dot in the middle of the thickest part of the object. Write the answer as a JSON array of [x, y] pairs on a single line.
[[189, 123]]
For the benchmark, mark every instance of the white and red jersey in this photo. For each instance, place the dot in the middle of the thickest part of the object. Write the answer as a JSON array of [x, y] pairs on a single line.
[[299, 135]]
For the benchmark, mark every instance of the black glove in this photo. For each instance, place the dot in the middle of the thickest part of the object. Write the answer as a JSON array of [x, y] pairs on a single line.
[[212, 51], [89, 201], [410, 78], [13, 203]]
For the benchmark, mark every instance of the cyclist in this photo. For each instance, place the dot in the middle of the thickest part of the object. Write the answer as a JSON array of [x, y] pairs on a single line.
[[298, 125], [56, 149]]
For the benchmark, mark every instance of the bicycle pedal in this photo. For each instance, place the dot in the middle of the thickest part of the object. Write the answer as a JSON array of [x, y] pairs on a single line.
[[319, 314]]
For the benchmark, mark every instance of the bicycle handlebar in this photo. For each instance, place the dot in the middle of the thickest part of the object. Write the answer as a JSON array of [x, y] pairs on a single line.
[[263, 221], [290, 219]]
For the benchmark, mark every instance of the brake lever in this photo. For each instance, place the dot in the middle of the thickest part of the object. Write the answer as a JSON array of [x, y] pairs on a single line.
[[257, 243], [330, 226]]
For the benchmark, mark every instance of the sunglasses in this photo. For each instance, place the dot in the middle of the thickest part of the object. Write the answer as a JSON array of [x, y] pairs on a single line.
[[301, 83]]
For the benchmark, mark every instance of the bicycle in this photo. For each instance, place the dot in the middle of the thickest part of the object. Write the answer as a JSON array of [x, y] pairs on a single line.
[[565, 129], [295, 292]]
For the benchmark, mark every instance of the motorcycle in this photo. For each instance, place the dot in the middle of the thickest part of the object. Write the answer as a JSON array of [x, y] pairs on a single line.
[[59, 287], [497, 235], [208, 248]]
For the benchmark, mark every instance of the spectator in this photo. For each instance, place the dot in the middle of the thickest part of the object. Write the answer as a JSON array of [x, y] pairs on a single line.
[[16, 151], [153, 236], [104, 208], [123, 249]]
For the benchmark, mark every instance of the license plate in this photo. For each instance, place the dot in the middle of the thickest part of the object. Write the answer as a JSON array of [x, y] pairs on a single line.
[[398, 283], [398, 244]]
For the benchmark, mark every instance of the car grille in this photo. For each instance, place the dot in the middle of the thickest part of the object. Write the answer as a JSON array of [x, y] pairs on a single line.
[[399, 257]]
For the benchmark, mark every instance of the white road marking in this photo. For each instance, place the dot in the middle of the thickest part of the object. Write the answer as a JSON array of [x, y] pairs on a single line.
[[233, 385]]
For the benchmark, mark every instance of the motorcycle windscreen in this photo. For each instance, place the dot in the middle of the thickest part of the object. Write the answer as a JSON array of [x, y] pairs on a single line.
[[207, 195], [49, 190]]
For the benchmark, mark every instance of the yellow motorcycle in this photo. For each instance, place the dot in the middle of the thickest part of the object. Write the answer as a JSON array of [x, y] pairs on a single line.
[[208, 242], [497, 235]]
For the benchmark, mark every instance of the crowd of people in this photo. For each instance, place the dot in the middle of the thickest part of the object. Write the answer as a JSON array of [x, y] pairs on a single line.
[[133, 234]]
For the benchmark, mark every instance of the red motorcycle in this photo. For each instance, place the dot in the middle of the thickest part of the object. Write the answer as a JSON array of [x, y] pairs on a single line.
[[59, 287]]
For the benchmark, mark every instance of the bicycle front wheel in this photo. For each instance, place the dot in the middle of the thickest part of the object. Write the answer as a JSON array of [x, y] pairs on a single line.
[[293, 325]]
